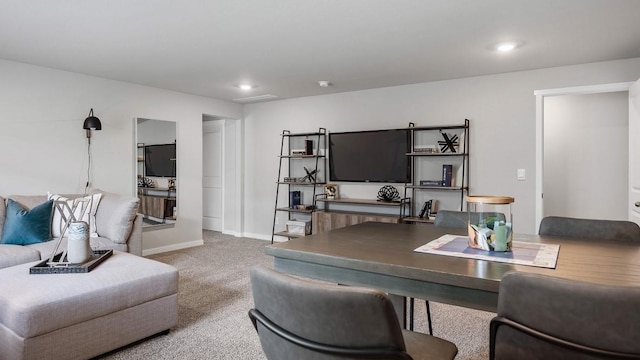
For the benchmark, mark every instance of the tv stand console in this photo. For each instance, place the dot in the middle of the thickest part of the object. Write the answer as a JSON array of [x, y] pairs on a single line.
[[327, 219], [157, 203]]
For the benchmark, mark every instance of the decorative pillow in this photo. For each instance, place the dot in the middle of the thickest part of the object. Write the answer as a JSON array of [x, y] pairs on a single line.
[[24, 227], [89, 215], [116, 217]]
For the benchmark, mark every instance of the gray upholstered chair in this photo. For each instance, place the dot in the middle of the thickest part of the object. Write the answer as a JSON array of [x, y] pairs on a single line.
[[542, 317], [298, 319], [589, 229]]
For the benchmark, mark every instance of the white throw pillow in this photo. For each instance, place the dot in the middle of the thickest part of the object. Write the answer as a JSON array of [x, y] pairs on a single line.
[[89, 216]]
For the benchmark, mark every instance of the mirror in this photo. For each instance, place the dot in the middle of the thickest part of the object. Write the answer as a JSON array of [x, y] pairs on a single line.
[[156, 172]]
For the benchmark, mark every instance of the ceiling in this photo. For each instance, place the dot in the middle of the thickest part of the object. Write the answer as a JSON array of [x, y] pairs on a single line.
[[284, 47]]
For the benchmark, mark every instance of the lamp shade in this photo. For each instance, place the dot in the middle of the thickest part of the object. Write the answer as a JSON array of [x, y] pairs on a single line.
[[92, 122]]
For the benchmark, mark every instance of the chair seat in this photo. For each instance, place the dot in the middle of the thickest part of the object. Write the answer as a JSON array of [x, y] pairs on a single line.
[[422, 346]]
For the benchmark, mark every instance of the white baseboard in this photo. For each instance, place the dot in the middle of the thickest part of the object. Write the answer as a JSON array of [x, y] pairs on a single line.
[[163, 249], [266, 237], [232, 233], [257, 236], [214, 224]]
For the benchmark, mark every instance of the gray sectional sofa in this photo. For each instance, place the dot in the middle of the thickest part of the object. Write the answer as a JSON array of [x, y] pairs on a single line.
[[117, 222], [77, 316]]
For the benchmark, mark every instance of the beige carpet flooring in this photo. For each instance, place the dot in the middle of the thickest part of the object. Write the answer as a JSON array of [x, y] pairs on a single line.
[[214, 297]]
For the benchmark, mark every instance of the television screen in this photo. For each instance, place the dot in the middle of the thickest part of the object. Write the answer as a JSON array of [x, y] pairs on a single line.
[[160, 160], [369, 156]]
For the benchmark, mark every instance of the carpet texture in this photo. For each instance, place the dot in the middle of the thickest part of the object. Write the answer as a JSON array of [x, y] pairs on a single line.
[[214, 297]]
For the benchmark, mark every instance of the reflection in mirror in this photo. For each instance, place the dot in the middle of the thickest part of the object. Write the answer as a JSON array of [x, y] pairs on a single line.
[[156, 173]]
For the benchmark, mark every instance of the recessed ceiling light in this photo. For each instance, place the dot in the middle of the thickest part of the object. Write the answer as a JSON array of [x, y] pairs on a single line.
[[324, 83], [245, 87], [506, 47]]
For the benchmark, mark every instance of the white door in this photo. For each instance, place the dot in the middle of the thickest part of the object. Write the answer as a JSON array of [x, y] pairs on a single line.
[[212, 175], [634, 153]]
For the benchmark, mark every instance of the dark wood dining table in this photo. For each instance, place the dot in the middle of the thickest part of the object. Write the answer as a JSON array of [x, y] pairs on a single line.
[[381, 255]]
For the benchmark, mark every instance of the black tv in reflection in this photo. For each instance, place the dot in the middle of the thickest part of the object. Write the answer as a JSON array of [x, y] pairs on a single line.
[[369, 156], [160, 160]]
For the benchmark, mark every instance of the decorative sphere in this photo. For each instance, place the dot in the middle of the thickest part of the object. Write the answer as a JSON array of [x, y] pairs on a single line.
[[388, 193]]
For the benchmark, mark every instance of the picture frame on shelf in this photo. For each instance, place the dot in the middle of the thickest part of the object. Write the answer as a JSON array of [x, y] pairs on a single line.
[[331, 191]]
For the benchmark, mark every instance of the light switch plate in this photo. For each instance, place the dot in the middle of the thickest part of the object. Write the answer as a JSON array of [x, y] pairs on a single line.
[[521, 175]]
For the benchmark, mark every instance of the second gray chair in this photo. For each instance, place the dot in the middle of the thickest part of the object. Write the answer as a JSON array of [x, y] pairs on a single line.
[[541, 317], [589, 229], [297, 319]]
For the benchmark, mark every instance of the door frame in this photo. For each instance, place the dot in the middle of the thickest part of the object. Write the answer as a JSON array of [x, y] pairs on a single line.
[[540, 96]]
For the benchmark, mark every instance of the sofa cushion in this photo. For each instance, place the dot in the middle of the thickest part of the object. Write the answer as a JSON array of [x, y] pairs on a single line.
[[45, 249], [11, 255], [23, 227], [101, 243], [115, 215], [89, 215]]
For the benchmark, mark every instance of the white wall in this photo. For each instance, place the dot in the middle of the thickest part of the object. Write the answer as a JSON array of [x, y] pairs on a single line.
[[501, 109], [586, 145], [44, 147]]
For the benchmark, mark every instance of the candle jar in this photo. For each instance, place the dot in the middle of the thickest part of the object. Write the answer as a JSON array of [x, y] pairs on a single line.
[[78, 249], [490, 225]]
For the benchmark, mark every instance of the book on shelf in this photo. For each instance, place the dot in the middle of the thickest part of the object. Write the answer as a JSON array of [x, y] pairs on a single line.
[[430, 182], [294, 199], [425, 212], [447, 175]]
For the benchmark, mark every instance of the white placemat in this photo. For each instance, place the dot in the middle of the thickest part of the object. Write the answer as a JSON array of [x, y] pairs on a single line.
[[522, 253]]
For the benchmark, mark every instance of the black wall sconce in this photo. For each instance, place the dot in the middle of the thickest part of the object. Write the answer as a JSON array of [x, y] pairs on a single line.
[[91, 123]]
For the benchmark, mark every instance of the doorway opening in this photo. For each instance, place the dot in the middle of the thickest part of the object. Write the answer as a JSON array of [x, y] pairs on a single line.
[[572, 96], [221, 172]]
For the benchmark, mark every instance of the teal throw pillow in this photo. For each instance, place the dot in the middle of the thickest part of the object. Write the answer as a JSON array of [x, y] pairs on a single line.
[[24, 227]]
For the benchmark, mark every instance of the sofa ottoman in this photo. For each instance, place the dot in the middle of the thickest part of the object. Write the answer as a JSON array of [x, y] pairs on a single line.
[[79, 316]]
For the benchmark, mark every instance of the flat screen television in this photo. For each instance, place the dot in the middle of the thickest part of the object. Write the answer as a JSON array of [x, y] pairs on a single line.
[[369, 156], [160, 160]]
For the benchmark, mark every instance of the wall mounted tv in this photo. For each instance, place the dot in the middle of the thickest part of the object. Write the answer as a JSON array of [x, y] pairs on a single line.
[[369, 156], [160, 160]]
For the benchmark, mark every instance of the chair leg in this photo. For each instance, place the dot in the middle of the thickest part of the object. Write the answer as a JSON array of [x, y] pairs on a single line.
[[411, 306], [428, 317]]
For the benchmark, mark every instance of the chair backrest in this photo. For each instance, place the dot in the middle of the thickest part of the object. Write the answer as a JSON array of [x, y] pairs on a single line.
[[460, 219], [543, 317], [589, 229], [298, 319]]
